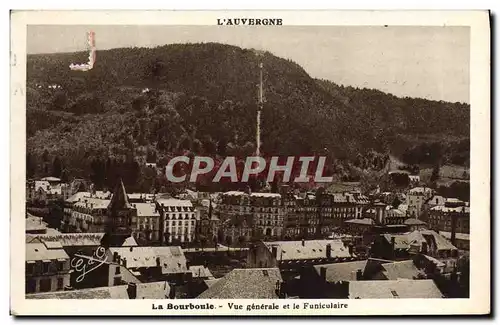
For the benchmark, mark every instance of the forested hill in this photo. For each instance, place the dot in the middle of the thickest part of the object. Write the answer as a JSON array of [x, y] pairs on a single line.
[[151, 103]]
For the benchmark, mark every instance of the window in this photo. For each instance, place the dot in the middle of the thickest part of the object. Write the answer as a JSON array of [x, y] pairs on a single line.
[[395, 294], [60, 265], [31, 286], [117, 270], [46, 267], [117, 281], [45, 285], [60, 283], [30, 268]]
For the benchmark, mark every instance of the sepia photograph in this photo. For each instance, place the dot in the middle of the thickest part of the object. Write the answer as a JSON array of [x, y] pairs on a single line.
[[248, 159]]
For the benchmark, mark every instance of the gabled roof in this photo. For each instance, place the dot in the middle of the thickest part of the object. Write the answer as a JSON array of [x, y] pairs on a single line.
[[37, 251], [414, 222], [146, 210], [151, 290], [35, 223], [364, 221], [387, 289], [312, 249], [400, 270], [259, 283], [200, 271], [337, 272]]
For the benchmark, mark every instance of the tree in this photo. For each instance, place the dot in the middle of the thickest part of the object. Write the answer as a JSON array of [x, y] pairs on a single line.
[[435, 173], [57, 167]]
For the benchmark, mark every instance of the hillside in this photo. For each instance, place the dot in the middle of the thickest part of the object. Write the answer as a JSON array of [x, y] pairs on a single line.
[[201, 98]]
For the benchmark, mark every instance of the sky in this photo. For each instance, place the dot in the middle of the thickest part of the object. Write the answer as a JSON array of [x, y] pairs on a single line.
[[416, 61]]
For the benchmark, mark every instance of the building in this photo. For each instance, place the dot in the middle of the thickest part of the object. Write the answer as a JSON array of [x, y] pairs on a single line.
[[177, 222], [415, 224], [402, 288], [462, 241], [47, 189], [261, 214], [47, 267], [148, 222], [293, 255], [402, 246], [149, 264], [88, 214], [35, 225], [336, 208], [153, 290], [332, 280], [454, 216], [416, 197], [256, 283]]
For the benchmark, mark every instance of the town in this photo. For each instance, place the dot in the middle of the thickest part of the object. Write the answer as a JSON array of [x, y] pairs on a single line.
[[286, 243]]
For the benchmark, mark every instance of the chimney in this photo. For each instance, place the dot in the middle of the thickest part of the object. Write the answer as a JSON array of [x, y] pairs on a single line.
[[453, 229], [322, 272], [275, 251], [351, 249], [132, 290], [124, 262], [131, 248], [393, 243], [328, 251], [303, 242], [116, 257], [359, 275], [424, 247], [158, 264]]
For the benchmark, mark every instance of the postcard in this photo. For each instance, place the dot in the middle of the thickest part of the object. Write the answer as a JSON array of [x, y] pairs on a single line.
[[250, 163]]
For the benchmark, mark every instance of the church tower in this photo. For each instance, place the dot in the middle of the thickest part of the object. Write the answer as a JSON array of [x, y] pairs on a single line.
[[121, 218]]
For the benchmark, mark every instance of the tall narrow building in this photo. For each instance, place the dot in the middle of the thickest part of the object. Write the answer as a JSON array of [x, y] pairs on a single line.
[[121, 218]]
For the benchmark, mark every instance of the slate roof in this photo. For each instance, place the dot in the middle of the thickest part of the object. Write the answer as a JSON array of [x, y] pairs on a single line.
[[386, 289], [400, 270], [93, 203], [312, 249], [199, 271], [80, 239], [40, 252], [401, 241], [364, 221], [172, 259], [337, 272], [35, 223], [146, 210], [152, 290], [432, 238], [259, 283], [413, 222], [458, 235]]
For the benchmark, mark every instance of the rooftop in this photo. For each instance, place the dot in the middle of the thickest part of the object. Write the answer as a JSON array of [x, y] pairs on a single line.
[[35, 223], [40, 251], [80, 239], [200, 271], [458, 235], [312, 249], [338, 272], [364, 221], [400, 270], [146, 210], [259, 283], [152, 290], [393, 289]]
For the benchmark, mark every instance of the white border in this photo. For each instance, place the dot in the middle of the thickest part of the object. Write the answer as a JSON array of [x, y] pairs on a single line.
[[479, 303]]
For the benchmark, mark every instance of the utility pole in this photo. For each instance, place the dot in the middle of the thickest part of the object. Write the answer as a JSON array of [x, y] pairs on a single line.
[[259, 110]]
